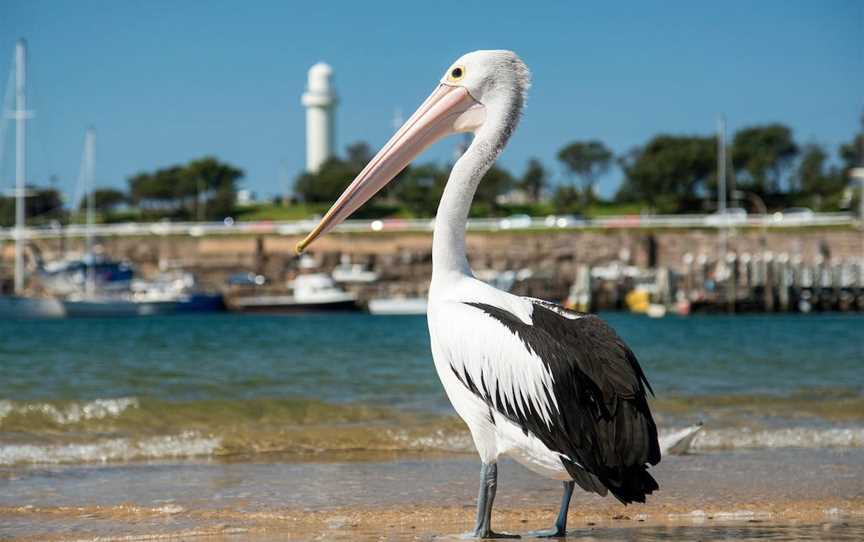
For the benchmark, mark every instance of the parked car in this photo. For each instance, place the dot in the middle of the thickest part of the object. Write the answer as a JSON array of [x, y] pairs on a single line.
[[246, 279], [732, 216], [514, 222], [563, 221], [797, 215]]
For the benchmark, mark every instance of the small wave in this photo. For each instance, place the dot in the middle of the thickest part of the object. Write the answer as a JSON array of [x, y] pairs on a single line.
[[440, 440], [187, 444], [303, 442], [134, 417], [69, 413], [792, 437], [129, 428], [835, 405]]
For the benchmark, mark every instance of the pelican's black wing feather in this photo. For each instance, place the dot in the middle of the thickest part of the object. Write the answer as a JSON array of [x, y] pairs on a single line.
[[602, 422]]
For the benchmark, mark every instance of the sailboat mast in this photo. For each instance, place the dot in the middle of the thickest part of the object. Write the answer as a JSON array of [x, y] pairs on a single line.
[[721, 165], [721, 182], [20, 161], [90, 176]]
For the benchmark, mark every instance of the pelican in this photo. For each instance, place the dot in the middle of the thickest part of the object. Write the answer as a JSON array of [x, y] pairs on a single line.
[[558, 391]]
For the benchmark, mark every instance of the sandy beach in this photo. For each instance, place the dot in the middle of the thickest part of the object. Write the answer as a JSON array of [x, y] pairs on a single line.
[[781, 494]]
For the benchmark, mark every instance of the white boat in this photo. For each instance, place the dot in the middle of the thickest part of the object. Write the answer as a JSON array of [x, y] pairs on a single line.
[[314, 292], [656, 310], [348, 272], [177, 287], [398, 305], [70, 275], [19, 305], [503, 280]]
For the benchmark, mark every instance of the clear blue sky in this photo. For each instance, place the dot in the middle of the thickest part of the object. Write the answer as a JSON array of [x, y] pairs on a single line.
[[165, 82]]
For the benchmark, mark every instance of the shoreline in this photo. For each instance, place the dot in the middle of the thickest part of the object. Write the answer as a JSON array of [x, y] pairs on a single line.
[[828, 517], [736, 495]]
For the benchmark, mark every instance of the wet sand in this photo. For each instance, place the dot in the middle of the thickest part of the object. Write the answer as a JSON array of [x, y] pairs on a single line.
[[780, 494]]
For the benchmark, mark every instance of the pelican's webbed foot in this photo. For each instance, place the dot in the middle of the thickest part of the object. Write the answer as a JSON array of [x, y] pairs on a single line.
[[548, 533], [489, 535], [560, 529]]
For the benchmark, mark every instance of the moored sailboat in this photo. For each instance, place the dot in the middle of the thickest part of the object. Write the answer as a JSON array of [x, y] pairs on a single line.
[[19, 305], [94, 301]]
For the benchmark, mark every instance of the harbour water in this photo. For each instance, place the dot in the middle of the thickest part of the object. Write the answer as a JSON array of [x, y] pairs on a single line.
[[251, 413]]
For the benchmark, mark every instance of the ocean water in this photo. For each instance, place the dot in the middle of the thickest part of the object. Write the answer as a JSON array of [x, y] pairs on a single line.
[[239, 386]]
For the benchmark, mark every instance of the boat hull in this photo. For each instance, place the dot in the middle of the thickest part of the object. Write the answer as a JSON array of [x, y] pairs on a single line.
[[398, 306], [201, 303], [121, 308], [276, 306], [17, 307]]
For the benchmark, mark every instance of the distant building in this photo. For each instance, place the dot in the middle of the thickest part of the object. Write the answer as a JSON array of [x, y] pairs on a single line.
[[320, 103], [245, 198], [516, 196]]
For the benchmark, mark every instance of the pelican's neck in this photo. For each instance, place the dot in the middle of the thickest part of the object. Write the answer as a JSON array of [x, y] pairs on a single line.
[[503, 105], [448, 241]]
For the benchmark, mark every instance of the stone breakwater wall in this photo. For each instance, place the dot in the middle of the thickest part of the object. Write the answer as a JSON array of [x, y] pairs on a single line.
[[404, 261]]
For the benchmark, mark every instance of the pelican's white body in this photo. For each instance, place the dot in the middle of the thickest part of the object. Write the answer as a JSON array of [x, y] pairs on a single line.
[[485, 342], [320, 102], [463, 337]]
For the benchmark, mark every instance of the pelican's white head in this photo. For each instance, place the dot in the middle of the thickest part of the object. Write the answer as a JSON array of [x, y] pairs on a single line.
[[497, 80], [482, 92]]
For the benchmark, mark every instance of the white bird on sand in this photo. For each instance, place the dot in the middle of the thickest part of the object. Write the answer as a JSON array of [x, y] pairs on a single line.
[[556, 390]]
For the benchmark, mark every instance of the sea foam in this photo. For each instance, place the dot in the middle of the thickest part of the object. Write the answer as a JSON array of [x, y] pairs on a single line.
[[187, 444], [791, 437], [69, 413]]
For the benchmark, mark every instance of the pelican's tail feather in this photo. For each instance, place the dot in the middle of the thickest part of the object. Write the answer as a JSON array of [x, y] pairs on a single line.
[[635, 484]]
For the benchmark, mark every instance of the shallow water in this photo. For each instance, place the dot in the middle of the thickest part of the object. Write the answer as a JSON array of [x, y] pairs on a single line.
[[816, 494], [77, 391], [723, 480]]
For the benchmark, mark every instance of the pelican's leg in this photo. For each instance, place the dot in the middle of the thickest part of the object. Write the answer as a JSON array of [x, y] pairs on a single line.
[[560, 529], [488, 485]]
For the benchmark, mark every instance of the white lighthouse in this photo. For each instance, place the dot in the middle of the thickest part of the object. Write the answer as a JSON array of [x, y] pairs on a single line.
[[320, 102]]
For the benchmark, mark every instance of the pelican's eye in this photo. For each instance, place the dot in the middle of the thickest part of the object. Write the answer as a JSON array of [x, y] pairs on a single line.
[[456, 73]]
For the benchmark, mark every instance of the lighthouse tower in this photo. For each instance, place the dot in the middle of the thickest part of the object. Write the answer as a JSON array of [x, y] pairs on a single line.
[[320, 102]]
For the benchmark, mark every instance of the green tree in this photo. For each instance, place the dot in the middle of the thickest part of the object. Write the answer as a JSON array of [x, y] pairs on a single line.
[[42, 205], [189, 190], [45, 204], [586, 160], [496, 182], [156, 190], [419, 189], [359, 154], [105, 199], [534, 180], [852, 153], [566, 199], [325, 185], [810, 176], [818, 183], [333, 176], [762, 154], [669, 172], [210, 184]]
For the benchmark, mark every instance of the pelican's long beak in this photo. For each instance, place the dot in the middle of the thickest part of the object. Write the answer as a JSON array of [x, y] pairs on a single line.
[[448, 110]]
